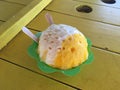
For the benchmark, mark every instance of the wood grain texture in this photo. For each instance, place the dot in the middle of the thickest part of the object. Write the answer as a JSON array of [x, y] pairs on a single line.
[[99, 13], [99, 2], [102, 74], [13, 77], [25, 2], [1, 22], [102, 35], [13, 26], [8, 10]]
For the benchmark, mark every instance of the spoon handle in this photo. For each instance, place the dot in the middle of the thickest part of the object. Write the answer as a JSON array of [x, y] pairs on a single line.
[[49, 19], [30, 34]]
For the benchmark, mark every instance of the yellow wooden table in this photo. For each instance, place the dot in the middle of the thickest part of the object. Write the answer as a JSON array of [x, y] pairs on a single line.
[[20, 72]]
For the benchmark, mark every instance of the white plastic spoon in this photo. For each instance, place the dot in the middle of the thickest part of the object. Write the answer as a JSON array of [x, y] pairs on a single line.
[[30, 34], [49, 18]]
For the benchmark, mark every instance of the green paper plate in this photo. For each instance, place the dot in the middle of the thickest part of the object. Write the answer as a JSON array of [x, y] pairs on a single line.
[[32, 51]]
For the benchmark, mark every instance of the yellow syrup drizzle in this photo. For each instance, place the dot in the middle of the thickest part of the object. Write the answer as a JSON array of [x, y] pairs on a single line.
[[72, 53]]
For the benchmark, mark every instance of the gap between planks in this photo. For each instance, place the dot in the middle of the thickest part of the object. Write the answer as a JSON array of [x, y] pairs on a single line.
[[100, 13], [81, 17], [40, 74]]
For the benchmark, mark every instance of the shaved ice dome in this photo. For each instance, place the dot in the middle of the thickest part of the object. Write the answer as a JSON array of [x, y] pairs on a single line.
[[62, 46]]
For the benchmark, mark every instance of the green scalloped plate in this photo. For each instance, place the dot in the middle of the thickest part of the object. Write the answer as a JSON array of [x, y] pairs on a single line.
[[32, 51]]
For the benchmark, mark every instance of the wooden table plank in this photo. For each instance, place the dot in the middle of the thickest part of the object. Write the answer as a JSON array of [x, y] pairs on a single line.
[[13, 77], [102, 74], [1, 22], [8, 10], [102, 35], [13, 26], [99, 13], [25, 2], [99, 2]]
